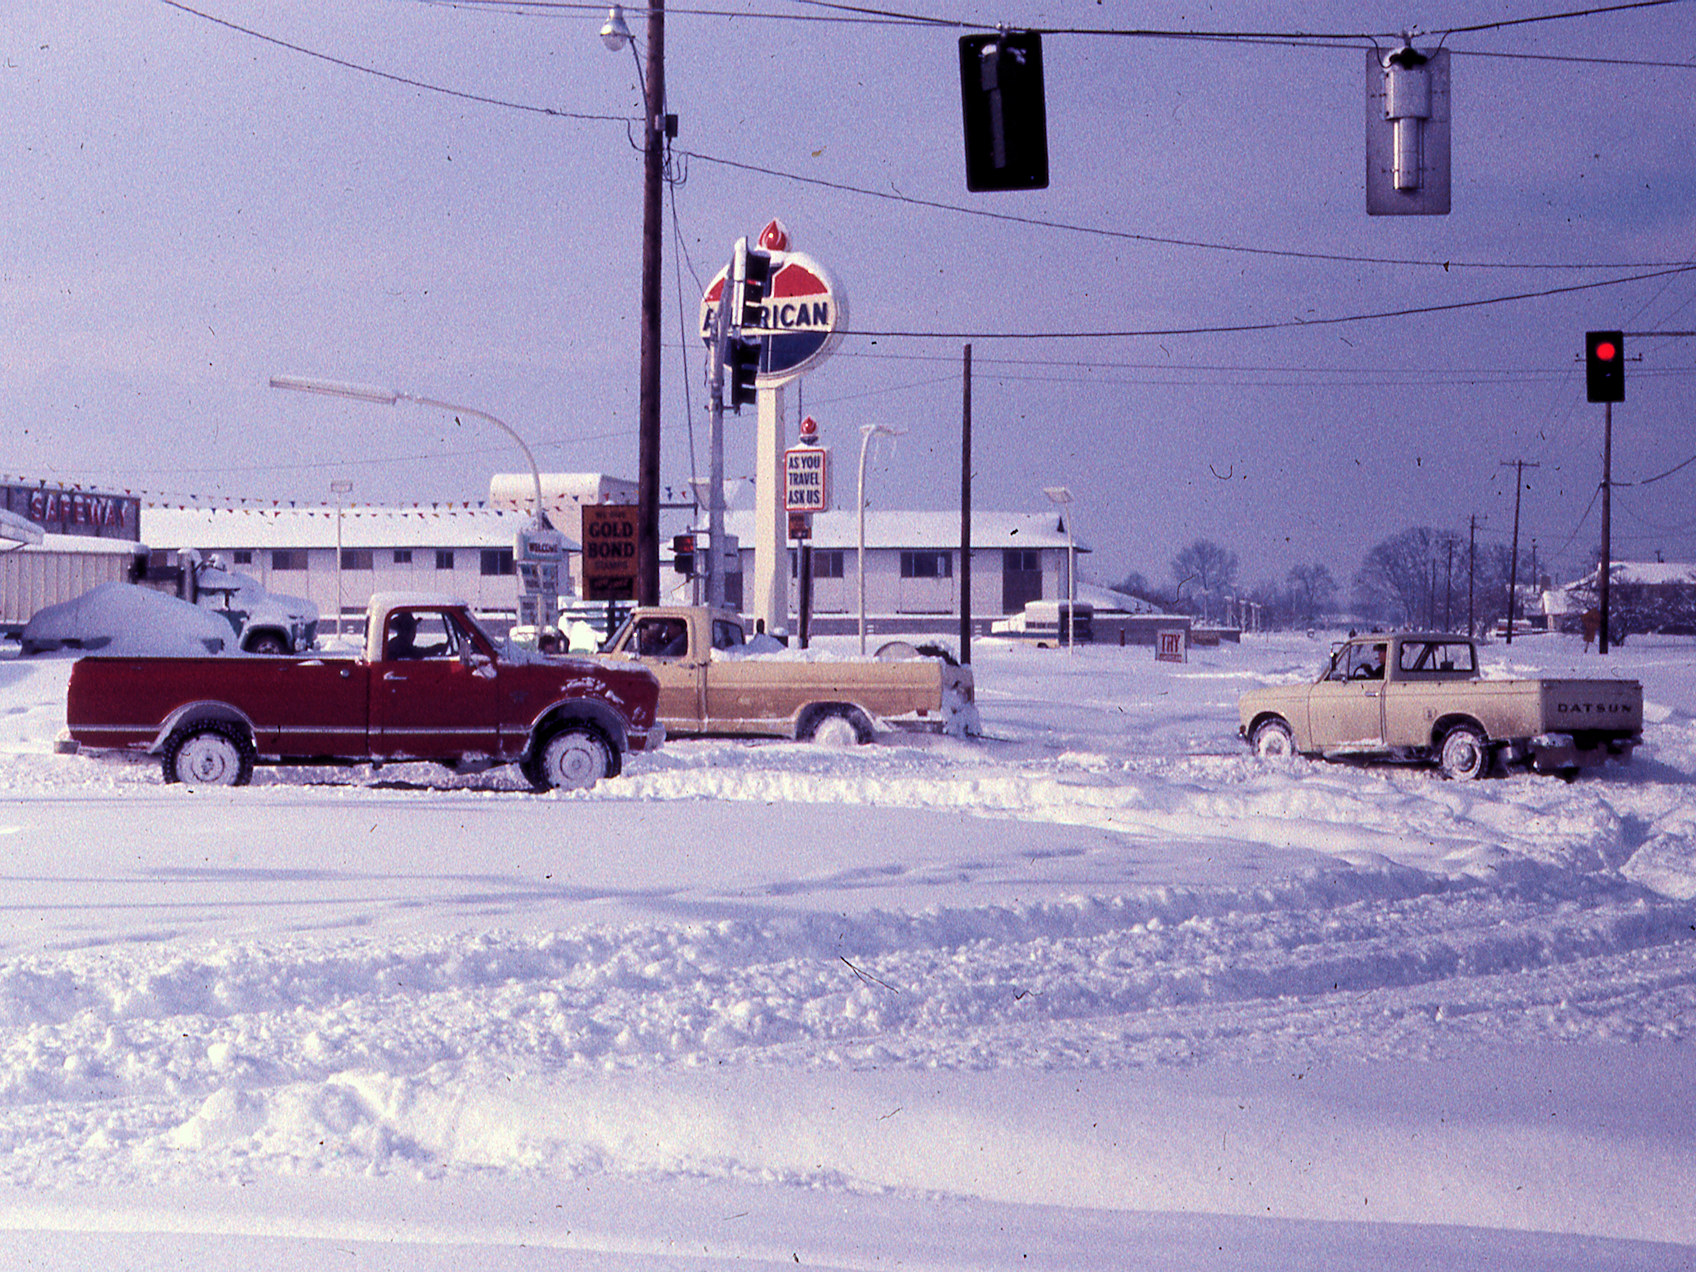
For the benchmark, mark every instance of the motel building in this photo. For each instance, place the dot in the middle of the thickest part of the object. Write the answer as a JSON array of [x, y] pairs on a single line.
[[337, 557]]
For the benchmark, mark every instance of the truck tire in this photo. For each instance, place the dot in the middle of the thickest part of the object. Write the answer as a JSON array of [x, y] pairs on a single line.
[[1273, 740], [573, 759], [267, 643], [1464, 755], [838, 727], [216, 753]]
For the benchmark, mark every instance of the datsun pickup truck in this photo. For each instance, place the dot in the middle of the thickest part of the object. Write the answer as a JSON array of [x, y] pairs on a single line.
[[712, 682], [1419, 696], [431, 685]]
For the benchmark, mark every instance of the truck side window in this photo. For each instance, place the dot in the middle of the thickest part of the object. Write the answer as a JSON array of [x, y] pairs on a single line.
[[418, 635], [726, 635], [662, 638], [1366, 662]]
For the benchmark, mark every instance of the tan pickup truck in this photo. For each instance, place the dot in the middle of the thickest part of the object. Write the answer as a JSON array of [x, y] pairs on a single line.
[[1419, 696], [713, 682]]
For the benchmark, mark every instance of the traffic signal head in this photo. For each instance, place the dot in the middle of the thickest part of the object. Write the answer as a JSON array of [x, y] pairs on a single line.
[[683, 553], [1604, 366], [741, 369], [756, 285], [1006, 122]]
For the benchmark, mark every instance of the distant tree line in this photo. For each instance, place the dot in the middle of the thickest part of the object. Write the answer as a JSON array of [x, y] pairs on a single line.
[[1421, 577]]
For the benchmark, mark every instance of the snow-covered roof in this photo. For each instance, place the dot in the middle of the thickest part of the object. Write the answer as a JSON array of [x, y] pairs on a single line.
[[18, 529], [922, 530], [83, 544], [1644, 573], [1106, 600], [363, 526]]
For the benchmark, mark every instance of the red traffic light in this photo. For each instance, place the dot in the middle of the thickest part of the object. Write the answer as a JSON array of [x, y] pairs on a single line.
[[1604, 366]]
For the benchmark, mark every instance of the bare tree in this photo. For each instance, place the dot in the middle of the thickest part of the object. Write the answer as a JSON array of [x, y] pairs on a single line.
[[1205, 568]]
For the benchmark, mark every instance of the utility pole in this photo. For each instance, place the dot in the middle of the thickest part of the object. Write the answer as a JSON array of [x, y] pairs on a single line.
[[648, 396], [1519, 466], [1449, 586], [1471, 574], [966, 510]]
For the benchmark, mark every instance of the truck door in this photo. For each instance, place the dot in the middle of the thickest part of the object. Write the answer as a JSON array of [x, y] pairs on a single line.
[[426, 701], [1346, 709], [662, 643]]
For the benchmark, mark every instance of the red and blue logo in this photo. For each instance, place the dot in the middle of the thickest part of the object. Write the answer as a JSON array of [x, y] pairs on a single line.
[[801, 319]]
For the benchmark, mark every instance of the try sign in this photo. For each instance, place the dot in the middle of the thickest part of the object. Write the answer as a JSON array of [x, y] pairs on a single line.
[[806, 479], [610, 535]]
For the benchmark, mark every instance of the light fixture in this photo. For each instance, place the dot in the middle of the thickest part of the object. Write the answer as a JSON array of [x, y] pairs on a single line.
[[615, 34]]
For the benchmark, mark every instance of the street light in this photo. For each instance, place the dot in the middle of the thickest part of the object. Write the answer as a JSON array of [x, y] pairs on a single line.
[[388, 397], [867, 432], [543, 594], [341, 487], [615, 34], [1062, 498]]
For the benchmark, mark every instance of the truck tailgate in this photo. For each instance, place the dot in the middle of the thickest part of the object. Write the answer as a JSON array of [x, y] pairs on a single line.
[[1612, 707]]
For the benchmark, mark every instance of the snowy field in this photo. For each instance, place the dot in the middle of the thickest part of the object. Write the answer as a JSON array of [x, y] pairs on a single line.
[[1098, 990]]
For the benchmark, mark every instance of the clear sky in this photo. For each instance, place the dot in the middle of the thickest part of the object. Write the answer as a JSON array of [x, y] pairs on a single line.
[[191, 208]]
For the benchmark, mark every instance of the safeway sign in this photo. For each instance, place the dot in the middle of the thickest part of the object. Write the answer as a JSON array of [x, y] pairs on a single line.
[[806, 479], [801, 319]]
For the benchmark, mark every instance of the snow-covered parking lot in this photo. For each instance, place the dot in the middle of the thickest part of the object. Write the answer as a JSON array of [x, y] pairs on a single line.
[[1097, 990]]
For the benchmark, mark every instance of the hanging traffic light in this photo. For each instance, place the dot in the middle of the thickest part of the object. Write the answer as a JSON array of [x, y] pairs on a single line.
[[683, 554], [756, 283], [741, 369], [1006, 122], [1604, 366]]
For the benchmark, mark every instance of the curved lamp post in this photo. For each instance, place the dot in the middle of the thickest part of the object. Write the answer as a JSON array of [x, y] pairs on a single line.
[[545, 595], [388, 397], [867, 432], [1062, 498]]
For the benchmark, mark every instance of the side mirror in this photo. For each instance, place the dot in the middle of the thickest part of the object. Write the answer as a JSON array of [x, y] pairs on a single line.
[[480, 664]]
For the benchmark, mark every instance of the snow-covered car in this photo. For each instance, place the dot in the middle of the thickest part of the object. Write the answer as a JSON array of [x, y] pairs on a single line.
[[264, 622], [128, 620]]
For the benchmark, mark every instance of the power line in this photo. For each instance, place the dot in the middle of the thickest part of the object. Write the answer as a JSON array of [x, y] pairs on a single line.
[[911, 200], [408, 82], [1275, 325]]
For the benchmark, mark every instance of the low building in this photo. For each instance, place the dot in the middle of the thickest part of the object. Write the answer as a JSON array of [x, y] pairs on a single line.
[[913, 568], [1643, 596], [464, 550]]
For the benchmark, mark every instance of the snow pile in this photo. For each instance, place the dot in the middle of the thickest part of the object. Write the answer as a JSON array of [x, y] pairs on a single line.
[[1095, 975]]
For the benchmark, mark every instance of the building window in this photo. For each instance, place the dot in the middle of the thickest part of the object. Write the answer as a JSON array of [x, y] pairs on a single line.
[[288, 559], [356, 559], [827, 563], [497, 561], [444, 558], [403, 556], [927, 565], [242, 556]]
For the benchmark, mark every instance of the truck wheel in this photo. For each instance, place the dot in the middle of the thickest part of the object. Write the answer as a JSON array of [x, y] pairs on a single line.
[[573, 759], [211, 754], [839, 727], [267, 643], [1465, 754], [1272, 740]]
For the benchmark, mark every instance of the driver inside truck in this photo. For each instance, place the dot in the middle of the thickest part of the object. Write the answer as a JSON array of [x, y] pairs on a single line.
[[403, 634], [663, 638], [1369, 663]]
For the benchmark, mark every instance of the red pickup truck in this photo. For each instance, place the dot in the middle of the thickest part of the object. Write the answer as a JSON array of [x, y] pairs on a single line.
[[431, 685]]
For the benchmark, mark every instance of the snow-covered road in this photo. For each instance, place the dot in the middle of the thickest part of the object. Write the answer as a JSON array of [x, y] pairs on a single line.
[[1101, 975]]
